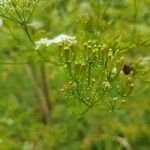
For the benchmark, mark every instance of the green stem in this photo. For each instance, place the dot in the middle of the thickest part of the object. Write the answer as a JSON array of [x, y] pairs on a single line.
[[80, 97], [89, 75], [44, 105], [46, 102], [45, 86], [28, 33]]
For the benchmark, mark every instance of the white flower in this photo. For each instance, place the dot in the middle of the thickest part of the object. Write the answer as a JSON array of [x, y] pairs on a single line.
[[43, 41], [56, 40], [1, 22], [63, 37]]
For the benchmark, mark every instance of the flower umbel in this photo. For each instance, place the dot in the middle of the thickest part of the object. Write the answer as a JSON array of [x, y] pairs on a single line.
[[56, 40]]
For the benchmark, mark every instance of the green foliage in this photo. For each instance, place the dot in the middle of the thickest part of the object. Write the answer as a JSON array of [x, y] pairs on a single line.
[[95, 79], [95, 103]]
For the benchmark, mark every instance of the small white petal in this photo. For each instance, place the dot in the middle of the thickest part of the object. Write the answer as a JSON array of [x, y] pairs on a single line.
[[56, 40]]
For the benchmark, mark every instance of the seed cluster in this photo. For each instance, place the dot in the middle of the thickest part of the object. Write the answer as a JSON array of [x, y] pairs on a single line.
[[94, 74]]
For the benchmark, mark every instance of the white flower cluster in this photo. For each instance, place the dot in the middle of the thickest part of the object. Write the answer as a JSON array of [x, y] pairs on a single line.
[[56, 40]]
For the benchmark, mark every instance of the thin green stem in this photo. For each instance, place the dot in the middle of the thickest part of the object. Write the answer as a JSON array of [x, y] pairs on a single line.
[[11, 19], [28, 33], [46, 110], [89, 74], [45, 86], [47, 103], [80, 97]]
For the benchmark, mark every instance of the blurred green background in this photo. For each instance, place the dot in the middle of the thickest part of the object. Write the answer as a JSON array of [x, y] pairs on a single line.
[[124, 23]]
